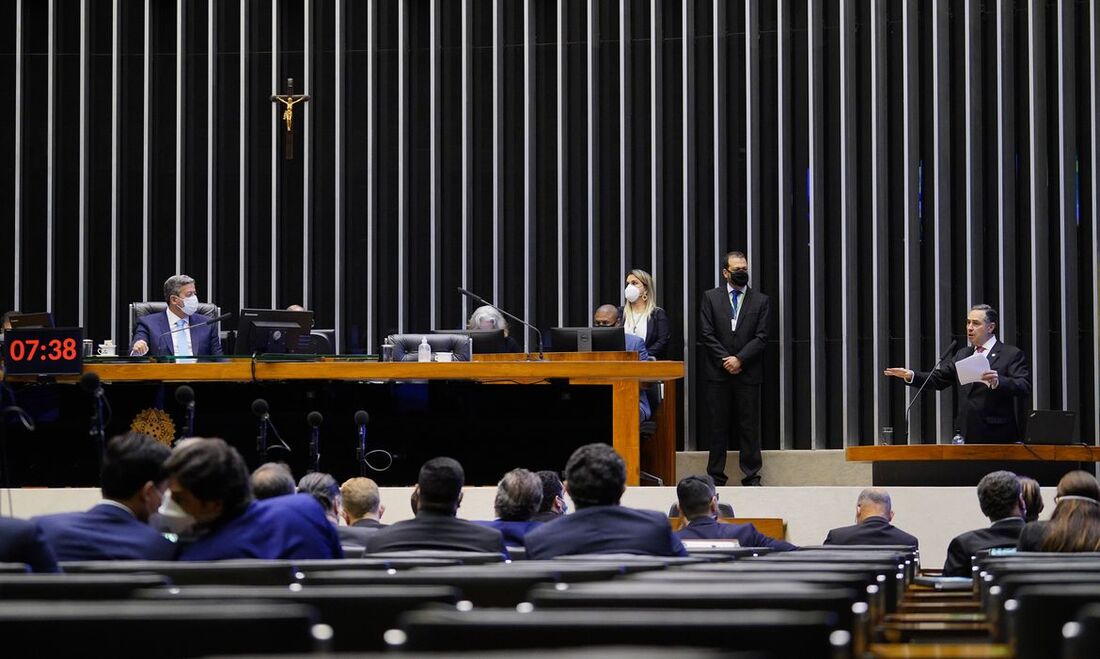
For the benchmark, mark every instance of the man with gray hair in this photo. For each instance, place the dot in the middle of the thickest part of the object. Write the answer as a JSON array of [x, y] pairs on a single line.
[[519, 495], [272, 479], [179, 330], [874, 514]]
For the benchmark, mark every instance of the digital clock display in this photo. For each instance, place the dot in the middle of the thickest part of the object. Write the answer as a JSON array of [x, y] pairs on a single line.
[[43, 351]]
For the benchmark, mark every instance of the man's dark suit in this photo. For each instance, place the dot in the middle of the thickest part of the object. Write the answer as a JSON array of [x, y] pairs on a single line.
[[357, 533], [514, 533], [151, 328], [1003, 533], [21, 541], [871, 531], [733, 401], [290, 526], [708, 528], [104, 533], [605, 530], [986, 416], [432, 530]]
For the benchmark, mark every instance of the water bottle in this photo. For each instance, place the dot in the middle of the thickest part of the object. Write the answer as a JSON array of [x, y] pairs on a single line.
[[958, 439], [424, 352], [387, 350]]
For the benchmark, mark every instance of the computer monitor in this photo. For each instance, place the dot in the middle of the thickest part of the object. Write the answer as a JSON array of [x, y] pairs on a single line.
[[587, 339], [36, 320], [482, 342], [1050, 427], [275, 331]]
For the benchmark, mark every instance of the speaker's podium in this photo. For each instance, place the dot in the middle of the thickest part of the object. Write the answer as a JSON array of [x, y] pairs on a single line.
[[965, 464]]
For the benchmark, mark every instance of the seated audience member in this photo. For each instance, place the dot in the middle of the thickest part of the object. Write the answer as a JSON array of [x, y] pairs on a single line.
[[133, 482], [699, 502], [438, 494], [519, 495], [324, 490], [874, 514], [361, 509], [595, 478], [488, 318], [272, 479], [1033, 498], [209, 483], [553, 503], [1074, 525], [1000, 498], [21, 541]]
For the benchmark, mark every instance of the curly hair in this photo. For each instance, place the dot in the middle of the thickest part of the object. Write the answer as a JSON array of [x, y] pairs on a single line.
[[595, 476], [999, 494]]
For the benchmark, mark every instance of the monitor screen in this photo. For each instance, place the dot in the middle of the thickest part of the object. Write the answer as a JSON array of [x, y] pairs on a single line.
[[587, 339], [482, 341], [276, 331], [31, 320]]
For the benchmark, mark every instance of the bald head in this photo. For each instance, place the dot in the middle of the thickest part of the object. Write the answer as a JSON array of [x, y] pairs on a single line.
[[873, 502], [607, 315]]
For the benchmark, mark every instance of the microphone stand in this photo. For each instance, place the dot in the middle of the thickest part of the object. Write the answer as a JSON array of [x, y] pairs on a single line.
[[954, 342], [519, 320]]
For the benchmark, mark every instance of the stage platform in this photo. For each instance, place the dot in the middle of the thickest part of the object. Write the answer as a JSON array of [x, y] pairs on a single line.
[[933, 514]]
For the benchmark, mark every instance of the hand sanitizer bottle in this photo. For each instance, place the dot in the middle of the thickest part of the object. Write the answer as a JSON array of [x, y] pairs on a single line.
[[424, 352]]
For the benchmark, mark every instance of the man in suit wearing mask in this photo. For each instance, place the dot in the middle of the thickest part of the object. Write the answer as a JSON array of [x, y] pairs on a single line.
[[179, 330], [733, 330]]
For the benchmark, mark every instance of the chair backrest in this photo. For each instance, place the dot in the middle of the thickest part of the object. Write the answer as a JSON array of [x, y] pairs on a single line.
[[724, 510], [1040, 613], [484, 585], [773, 527], [1082, 638], [139, 309], [323, 341], [241, 572], [406, 346], [76, 586]]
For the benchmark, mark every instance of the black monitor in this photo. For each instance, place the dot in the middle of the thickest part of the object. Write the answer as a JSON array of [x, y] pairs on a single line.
[[275, 331], [587, 339], [36, 320], [482, 342]]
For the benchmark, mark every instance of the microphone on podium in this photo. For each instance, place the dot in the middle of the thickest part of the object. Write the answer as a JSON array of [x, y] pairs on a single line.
[[478, 298], [185, 396], [954, 342], [314, 419]]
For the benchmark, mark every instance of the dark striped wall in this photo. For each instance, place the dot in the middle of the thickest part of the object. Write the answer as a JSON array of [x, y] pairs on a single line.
[[884, 164]]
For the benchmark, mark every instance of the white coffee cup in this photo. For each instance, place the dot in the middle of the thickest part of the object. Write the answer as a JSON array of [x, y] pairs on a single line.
[[107, 349], [444, 356]]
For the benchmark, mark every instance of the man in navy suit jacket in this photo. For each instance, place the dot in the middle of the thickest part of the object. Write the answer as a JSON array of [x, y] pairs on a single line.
[[874, 514], [1002, 501], [133, 483], [699, 502], [209, 483], [21, 541], [179, 330], [595, 478]]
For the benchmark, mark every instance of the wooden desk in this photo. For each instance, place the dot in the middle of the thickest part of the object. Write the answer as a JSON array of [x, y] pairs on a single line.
[[955, 452], [622, 375]]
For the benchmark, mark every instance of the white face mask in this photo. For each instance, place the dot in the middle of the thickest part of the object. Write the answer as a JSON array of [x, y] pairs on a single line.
[[632, 293], [170, 518], [190, 305]]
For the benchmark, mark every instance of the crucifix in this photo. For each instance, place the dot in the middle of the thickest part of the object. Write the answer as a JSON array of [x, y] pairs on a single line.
[[289, 99]]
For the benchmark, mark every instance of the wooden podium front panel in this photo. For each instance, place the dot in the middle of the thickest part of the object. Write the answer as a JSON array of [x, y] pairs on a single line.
[[968, 452]]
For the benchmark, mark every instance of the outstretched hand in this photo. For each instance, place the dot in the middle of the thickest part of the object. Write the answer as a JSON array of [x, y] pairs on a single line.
[[903, 373]]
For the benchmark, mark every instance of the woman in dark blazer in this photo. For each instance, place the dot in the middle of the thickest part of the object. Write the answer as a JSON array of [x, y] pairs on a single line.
[[642, 317]]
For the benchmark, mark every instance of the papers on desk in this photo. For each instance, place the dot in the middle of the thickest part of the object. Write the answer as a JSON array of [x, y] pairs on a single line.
[[971, 368]]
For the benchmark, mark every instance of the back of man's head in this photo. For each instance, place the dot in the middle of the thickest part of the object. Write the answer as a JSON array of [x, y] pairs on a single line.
[[874, 502], [999, 495], [519, 495], [360, 497], [440, 485], [323, 488], [211, 470], [272, 479], [131, 461], [551, 489], [595, 476], [694, 494]]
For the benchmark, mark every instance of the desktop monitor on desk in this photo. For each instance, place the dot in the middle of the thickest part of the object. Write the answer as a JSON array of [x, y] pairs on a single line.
[[587, 339], [275, 331], [36, 320], [482, 342]]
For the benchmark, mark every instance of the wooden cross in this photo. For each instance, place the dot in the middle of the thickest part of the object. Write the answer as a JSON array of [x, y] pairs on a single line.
[[289, 99]]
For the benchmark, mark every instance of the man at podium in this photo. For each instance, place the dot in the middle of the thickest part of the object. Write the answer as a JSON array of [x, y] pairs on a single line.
[[987, 407]]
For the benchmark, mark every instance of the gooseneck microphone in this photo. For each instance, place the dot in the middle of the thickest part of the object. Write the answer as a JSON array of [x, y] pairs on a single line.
[[259, 408], [219, 319], [954, 342], [314, 419], [90, 383], [361, 420], [478, 298], [185, 396]]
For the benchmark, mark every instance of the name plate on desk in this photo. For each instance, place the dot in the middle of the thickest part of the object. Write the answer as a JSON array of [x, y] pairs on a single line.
[[43, 351]]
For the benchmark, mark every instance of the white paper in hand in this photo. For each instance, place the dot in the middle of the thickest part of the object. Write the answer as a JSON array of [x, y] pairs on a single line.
[[971, 369]]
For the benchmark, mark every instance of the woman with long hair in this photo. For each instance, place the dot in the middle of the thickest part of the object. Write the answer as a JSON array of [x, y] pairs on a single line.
[[1074, 525], [642, 317]]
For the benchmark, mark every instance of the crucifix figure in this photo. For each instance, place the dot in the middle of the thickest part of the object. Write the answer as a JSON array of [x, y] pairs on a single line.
[[289, 99]]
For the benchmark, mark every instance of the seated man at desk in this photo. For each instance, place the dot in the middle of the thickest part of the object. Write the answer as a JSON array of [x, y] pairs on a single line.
[[607, 315], [180, 330]]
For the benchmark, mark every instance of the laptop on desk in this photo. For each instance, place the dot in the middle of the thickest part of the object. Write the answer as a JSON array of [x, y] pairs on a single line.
[[1050, 427]]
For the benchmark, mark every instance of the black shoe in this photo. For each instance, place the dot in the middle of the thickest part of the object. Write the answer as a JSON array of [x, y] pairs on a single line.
[[755, 482], [719, 481]]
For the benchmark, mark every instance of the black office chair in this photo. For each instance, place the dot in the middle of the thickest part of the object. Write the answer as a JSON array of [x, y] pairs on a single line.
[[406, 346], [251, 572], [484, 585], [139, 309], [76, 586], [1038, 614], [1082, 636]]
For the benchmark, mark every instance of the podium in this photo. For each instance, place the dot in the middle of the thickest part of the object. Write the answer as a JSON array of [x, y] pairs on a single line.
[[965, 464]]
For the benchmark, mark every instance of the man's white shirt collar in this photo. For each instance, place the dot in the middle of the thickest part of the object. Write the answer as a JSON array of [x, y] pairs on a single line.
[[988, 345], [108, 502], [173, 318]]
